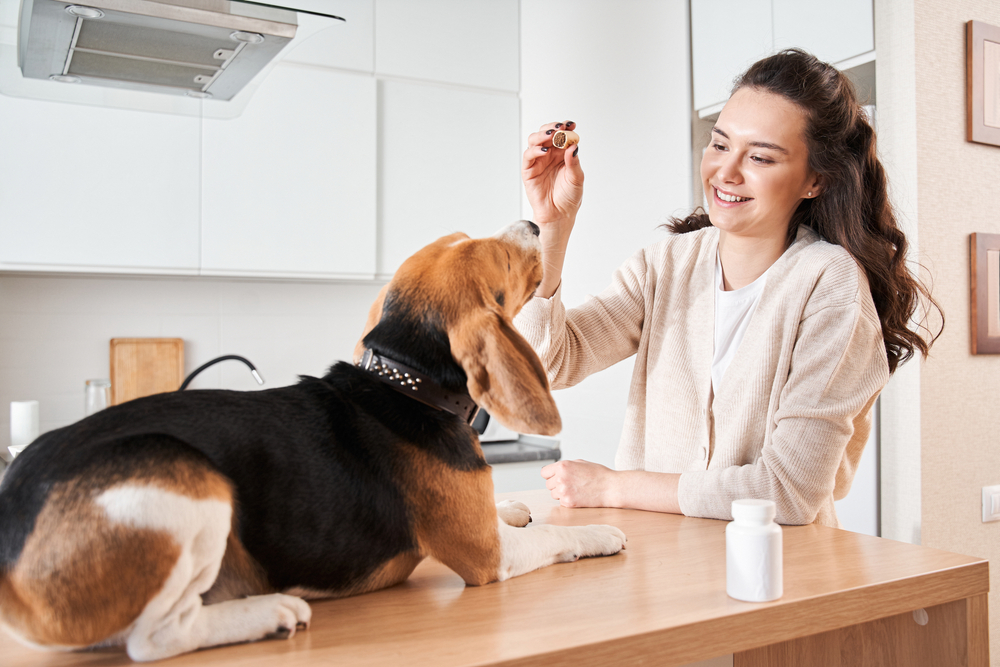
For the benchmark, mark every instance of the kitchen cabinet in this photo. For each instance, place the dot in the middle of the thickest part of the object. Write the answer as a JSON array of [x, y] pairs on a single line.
[[289, 186], [450, 41], [347, 44], [449, 160], [831, 31], [729, 35], [97, 189], [364, 143]]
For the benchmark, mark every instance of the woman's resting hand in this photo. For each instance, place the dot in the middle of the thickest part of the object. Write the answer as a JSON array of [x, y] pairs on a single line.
[[584, 484], [578, 483]]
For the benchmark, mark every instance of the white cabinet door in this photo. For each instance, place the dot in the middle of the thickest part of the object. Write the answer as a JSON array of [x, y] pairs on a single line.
[[831, 31], [95, 189], [449, 160], [727, 36], [451, 41], [347, 44], [289, 186]]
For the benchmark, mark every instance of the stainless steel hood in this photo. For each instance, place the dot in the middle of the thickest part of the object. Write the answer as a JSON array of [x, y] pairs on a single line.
[[198, 48]]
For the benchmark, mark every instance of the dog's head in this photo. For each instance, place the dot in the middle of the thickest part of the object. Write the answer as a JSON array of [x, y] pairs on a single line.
[[447, 312]]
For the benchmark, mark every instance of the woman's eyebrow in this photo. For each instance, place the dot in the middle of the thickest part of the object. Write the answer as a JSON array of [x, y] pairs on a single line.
[[758, 144]]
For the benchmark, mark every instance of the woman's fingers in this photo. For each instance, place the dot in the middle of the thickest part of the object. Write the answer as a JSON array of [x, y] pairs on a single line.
[[544, 135], [540, 146], [550, 128]]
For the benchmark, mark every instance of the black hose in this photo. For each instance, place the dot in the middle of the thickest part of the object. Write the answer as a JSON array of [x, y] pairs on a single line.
[[246, 361]]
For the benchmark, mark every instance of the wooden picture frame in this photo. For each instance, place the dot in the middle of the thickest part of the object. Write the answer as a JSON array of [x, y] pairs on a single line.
[[985, 293], [982, 71]]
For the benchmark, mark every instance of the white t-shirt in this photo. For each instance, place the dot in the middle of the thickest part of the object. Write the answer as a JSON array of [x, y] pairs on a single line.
[[733, 311]]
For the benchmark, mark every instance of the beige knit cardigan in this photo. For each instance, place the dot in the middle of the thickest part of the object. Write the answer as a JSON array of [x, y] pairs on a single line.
[[793, 412]]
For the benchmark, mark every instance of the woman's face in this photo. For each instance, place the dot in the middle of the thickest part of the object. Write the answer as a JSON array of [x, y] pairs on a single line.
[[756, 168]]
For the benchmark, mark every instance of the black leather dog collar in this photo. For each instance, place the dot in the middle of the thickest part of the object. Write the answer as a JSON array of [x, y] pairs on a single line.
[[418, 386]]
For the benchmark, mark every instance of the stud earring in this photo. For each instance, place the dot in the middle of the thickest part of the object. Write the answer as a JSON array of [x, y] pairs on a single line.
[[810, 193]]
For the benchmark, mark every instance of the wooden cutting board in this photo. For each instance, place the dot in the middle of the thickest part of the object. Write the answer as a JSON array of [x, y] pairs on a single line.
[[144, 366]]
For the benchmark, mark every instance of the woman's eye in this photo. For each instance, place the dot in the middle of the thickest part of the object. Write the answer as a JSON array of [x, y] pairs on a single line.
[[761, 160], [718, 147]]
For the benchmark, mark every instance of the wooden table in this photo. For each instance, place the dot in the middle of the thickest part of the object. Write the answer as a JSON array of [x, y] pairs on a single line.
[[849, 601]]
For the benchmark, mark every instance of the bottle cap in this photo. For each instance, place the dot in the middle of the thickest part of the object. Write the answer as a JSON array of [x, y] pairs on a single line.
[[753, 510]]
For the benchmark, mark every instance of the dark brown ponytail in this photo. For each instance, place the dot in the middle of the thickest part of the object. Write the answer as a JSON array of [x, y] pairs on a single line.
[[853, 208]]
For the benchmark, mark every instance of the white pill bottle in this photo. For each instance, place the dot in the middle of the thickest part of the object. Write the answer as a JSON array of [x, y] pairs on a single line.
[[753, 552]]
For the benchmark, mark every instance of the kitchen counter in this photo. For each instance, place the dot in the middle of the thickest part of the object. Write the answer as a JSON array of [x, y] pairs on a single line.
[[849, 600], [525, 448]]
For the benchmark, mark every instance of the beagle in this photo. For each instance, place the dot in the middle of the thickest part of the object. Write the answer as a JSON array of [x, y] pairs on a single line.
[[199, 518]]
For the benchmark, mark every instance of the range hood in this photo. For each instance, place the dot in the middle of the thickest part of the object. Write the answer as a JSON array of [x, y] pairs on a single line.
[[198, 48]]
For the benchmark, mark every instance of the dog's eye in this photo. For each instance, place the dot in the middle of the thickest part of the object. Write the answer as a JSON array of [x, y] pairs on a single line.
[[499, 296]]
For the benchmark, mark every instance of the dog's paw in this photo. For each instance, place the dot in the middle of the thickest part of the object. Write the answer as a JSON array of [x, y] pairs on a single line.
[[596, 540], [289, 614], [514, 513]]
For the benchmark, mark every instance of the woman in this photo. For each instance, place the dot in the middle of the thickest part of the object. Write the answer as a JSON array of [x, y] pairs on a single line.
[[763, 330]]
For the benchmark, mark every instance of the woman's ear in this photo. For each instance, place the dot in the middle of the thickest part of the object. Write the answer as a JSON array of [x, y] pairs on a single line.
[[815, 187], [505, 375], [374, 315]]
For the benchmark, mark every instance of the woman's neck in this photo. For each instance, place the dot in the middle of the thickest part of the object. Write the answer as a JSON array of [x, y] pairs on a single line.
[[745, 259]]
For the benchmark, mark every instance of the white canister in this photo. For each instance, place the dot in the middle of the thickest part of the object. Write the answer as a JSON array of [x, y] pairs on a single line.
[[23, 425], [753, 552]]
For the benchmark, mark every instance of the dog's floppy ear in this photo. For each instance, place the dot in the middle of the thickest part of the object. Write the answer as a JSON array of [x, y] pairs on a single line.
[[374, 315], [505, 375]]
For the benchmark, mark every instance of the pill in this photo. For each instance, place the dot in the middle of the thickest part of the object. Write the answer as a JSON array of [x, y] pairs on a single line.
[[565, 139]]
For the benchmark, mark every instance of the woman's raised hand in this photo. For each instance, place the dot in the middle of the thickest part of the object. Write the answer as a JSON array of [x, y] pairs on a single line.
[[553, 179]]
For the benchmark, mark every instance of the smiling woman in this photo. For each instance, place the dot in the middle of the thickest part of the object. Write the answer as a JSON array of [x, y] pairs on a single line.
[[763, 328]]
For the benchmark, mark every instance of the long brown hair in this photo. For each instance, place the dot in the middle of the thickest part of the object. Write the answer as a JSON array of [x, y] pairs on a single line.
[[852, 208]]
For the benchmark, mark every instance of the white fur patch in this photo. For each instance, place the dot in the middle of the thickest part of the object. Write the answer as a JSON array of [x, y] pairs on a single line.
[[157, 509], [523, 550], [175, 620]]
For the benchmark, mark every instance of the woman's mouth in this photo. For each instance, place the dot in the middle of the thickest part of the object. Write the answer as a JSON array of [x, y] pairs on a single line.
[[728, 198]]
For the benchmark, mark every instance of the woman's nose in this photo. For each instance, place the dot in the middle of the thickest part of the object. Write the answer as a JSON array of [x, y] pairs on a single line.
[[728, 169]]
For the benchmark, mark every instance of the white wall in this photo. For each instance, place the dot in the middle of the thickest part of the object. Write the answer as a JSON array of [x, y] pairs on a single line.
[[623, 75]]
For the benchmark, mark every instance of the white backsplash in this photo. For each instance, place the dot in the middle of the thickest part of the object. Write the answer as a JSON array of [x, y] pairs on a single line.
[[55, 332]]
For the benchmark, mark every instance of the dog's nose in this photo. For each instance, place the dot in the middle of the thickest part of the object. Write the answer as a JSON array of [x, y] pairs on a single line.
[[534, 227]]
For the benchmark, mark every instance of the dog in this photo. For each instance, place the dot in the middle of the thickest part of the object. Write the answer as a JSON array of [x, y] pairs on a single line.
[[198, 518]]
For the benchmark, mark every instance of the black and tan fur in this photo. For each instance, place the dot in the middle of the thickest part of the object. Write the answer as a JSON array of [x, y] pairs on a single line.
[[200, 518]]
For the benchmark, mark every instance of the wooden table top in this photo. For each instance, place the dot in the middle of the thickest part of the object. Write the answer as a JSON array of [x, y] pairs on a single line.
[[665, 596]]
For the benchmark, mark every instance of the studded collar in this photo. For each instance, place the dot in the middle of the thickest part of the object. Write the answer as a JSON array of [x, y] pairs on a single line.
[[418, 386]]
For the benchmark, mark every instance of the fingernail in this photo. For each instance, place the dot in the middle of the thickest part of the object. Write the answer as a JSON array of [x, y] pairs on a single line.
[[558, 125], [550, 132], [569, 122], [576, 151], [545, 149]]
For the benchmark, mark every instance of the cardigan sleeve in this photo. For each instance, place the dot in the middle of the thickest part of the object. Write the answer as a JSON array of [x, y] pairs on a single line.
[[838, 367], [604, 330]]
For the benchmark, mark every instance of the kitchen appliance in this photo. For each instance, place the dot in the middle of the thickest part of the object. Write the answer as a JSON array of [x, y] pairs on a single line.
[[225, 357], [490, 430], [198, 48]]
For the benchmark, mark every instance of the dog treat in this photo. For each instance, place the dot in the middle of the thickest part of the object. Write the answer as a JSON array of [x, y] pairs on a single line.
[[565, 139]]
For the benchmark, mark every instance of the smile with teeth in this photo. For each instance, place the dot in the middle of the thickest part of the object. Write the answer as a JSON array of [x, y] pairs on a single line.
[[730, 198]]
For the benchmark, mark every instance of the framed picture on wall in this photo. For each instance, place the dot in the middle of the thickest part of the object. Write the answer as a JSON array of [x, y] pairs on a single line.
[[982, 82], [985, 296]]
